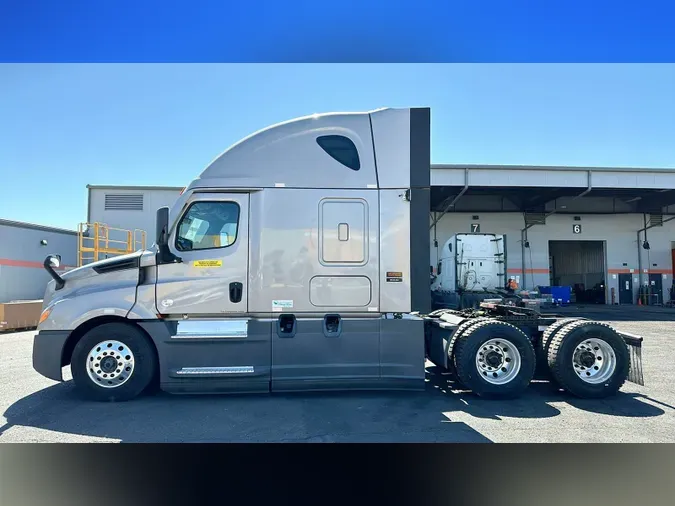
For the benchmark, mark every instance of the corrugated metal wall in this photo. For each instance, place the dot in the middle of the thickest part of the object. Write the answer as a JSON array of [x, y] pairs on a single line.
[[22, 276]]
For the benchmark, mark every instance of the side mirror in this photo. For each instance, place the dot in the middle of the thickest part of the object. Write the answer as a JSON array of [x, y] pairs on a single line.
[[54, 261], [164, 254], [162, 226]]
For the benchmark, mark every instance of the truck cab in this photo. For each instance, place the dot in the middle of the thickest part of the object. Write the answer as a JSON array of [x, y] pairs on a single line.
[[289, 263]]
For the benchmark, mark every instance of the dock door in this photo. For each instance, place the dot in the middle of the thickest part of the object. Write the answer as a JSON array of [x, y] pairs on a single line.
[[580, 265]]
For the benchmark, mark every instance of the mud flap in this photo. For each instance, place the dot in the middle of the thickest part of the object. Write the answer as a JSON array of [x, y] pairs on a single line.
[[634, 343]]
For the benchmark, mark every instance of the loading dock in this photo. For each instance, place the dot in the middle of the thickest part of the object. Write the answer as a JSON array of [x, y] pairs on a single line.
[[626, 208], [580, 265]]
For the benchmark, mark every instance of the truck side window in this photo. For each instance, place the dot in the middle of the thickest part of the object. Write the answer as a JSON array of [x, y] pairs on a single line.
[[341, 149], [208, 225]]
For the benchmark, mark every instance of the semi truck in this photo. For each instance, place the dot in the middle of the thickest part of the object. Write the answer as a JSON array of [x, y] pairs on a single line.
[[471, 268], [298, 260]]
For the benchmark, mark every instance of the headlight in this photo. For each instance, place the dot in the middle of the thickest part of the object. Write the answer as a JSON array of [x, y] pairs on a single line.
[[45, 314]]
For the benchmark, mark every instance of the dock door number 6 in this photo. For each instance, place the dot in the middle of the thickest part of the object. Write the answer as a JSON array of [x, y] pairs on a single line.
[[576, 228]]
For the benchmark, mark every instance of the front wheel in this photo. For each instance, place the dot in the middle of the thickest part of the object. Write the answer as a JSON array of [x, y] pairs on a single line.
[[495, 359], [113, 362]]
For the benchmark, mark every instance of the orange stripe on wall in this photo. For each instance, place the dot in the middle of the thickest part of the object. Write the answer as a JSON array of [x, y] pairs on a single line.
[[637, 271], [625, 270], [25, 263]]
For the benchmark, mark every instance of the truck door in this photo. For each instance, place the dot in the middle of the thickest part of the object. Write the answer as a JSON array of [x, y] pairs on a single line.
[[205, 296], [211, 238]]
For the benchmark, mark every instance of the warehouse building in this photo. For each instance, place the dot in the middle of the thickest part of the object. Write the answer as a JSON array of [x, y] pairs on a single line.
[[603, 231], [129, 207], [23, 249], [121, 219]]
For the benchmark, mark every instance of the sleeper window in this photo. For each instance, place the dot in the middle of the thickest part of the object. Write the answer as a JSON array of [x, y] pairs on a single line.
[[341, 149], [208, 225]]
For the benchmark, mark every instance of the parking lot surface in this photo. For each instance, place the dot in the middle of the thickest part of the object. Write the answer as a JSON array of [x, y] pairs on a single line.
[[35, 409]]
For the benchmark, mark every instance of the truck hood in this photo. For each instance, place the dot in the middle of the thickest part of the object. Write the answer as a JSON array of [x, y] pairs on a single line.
[[131, 260], [99, 274]]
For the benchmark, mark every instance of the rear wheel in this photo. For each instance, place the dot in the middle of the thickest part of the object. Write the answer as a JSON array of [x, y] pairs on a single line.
[[544, 343], [551, 331], [589, 359], [495, 359], [452, 355], [113, 362]]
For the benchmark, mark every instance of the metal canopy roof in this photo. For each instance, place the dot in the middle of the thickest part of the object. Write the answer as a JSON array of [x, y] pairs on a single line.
[[543, 189], [35, 226]]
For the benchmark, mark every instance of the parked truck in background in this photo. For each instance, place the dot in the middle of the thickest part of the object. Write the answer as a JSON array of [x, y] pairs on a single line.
[[298, 260], [471, 268]]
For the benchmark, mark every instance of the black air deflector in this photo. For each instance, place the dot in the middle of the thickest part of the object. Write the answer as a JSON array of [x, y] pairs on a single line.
[[420, 204], [118, 265]]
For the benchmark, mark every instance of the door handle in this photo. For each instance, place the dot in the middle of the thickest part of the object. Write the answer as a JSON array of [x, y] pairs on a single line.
[[236, 290]]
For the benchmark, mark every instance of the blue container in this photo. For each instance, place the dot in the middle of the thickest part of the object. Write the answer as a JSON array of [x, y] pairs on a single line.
[[561, 294]]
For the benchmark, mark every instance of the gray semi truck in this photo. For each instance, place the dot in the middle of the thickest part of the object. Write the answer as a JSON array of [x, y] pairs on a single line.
[[299, 260]]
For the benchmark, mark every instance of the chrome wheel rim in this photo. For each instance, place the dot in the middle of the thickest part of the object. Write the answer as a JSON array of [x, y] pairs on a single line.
[[594, 361], [498, 361], [110, 364]]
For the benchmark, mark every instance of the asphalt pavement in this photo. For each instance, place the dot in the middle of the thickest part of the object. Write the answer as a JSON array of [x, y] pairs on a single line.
[[35, 409]]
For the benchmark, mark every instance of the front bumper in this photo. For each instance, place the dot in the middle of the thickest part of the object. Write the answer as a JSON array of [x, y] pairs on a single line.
[[48, 352]]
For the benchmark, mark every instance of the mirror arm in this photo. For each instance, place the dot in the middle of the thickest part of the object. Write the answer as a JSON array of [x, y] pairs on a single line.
[[60, 282]]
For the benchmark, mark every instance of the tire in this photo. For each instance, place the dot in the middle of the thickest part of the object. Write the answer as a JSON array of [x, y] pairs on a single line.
[[606, 348], [461, 330], [544, 343], [551, 331], [476, 342], [134, 361]]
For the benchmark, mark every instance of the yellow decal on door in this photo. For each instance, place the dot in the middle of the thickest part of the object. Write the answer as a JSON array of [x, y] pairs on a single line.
[[207, 263]]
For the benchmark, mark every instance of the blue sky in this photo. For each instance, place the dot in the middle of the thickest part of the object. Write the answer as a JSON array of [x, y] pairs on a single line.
[[65, 126]]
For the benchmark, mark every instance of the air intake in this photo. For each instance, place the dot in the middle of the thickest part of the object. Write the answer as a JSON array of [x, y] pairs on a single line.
[[656, 220], [123, 202], [535, 219]]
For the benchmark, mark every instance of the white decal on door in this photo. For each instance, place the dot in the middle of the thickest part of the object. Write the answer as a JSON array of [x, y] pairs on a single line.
[[280, 305]]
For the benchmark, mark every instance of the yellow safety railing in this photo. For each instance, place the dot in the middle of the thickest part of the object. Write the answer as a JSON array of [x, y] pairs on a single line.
[[96, 241]]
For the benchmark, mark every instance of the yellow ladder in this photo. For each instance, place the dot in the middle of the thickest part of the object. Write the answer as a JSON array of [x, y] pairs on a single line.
[[104, 241]]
